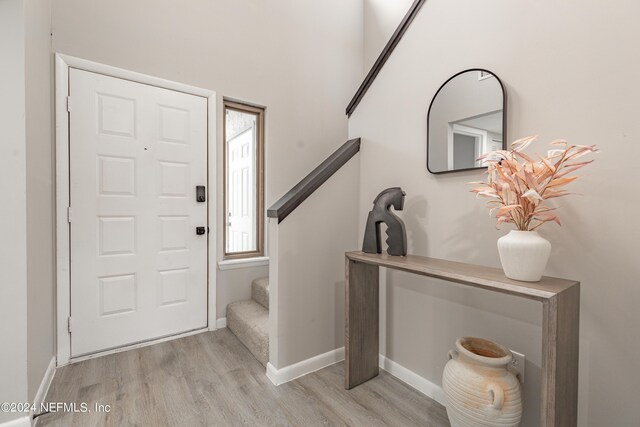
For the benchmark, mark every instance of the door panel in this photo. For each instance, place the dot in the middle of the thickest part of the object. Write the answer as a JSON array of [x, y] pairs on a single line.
[[138, 269]]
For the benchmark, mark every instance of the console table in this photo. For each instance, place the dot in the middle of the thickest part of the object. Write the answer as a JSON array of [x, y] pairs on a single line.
[[560, 322]]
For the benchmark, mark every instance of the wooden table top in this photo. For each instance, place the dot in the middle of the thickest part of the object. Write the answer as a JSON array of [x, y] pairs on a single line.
[[468, 274]]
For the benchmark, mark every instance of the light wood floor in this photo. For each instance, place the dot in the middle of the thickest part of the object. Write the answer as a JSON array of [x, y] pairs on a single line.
[[211, 379]]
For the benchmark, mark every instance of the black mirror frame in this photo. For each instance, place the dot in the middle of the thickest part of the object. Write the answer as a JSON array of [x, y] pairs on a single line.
[[504, 117]]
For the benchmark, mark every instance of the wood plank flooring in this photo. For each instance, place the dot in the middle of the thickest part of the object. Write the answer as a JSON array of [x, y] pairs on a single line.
[[211, 379]]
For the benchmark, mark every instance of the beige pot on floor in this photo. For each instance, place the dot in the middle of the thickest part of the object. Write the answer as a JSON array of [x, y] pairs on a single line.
[[479, 386]]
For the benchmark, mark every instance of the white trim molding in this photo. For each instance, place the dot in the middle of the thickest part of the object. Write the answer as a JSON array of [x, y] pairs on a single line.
[[18, 422], [234, 264], [300, 369], [63, 279], [409, 377], [221, 323], [43, 389], [305, 367]]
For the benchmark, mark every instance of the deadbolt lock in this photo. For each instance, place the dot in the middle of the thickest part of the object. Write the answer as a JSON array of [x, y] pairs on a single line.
[[200, 230], [200, 194]]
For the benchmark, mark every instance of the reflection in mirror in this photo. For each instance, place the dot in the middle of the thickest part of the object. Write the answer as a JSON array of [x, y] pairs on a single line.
[[466, 120]]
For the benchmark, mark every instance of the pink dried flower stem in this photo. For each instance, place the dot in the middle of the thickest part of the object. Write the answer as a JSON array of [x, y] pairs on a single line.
[[520, 188]]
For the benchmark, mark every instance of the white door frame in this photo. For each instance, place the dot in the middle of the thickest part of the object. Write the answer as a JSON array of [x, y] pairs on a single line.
[[63, 282]]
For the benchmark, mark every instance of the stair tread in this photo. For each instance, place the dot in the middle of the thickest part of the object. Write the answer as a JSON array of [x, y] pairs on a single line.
[[249, 321], [260, 291]]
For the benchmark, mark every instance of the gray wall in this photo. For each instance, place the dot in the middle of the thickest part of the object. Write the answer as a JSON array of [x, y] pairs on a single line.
[[307, 270], [13, 243], [381, 18], [40, 191], [302, 60], [570, 73]]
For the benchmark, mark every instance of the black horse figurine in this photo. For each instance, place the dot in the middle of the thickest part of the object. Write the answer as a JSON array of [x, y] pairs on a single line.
[[381, 212]]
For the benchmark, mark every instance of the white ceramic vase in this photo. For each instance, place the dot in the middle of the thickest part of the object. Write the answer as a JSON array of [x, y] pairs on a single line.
[[524, 255], [479, 386]]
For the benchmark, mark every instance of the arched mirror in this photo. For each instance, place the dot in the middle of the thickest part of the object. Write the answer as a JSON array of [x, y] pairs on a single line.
[[466, 119]]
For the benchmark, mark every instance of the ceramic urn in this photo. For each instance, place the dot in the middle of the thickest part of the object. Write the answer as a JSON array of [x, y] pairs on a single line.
[[480, 386]]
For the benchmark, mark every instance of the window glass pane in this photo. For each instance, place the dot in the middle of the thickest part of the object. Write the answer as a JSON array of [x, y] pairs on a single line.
[[241, 215]]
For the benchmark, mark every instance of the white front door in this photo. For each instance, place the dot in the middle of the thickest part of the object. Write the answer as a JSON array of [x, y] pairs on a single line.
[[138, 268]]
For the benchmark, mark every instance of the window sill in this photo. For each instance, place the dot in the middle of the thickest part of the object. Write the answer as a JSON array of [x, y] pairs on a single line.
[[234, 264]]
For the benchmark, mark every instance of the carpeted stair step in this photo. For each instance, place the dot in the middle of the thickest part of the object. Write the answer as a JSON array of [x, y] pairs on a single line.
[[260, 291], [249, 321]]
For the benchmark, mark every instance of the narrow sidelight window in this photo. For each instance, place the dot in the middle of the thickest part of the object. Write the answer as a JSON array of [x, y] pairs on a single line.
[[243, 180]]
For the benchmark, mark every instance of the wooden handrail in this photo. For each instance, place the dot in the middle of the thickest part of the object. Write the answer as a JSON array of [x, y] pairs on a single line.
[[386, 52], [287, 203]]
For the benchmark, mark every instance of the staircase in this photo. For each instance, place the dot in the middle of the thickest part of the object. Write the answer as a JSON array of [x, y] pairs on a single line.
[[249, 320]]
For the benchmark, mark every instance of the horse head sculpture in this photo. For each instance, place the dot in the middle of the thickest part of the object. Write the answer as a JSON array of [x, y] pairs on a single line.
[[381, 212]]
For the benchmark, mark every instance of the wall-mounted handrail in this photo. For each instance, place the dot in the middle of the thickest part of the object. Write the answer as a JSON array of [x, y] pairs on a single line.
[[287, 203], [386, 52]]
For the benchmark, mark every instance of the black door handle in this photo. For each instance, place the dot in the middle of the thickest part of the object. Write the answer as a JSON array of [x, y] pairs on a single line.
[[200, 230]]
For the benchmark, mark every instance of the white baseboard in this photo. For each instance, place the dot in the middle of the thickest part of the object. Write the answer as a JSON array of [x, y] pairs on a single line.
[[421, 384], [300, 369], [44, 385], [221, 323], [46, 382], [41, 394], [272, 373], [18, 422]]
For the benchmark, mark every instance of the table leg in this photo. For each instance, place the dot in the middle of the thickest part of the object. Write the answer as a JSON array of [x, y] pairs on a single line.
[[361, 323], [560, 345]]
